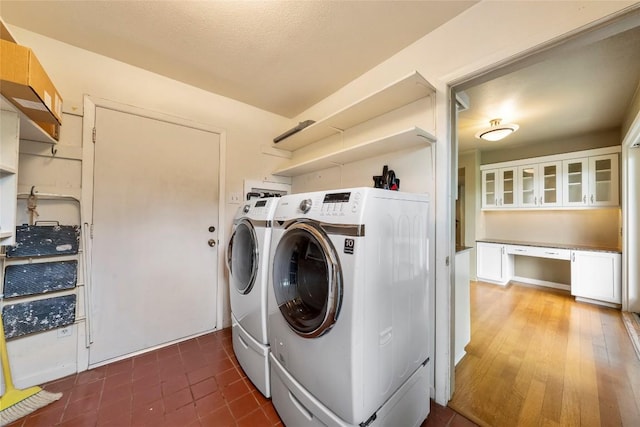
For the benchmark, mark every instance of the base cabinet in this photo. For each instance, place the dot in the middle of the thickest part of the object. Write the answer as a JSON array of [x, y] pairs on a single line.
[[596, 275], [493, 263]]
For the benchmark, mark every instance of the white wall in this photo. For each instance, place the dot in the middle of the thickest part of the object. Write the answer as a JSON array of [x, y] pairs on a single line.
[[470, 161], [76, 72]]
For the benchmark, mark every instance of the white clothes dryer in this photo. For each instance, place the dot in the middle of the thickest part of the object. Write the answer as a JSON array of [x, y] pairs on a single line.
[[248, 265], [348, 308]]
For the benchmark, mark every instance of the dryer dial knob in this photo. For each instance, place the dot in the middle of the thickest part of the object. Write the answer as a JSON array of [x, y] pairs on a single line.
[[246, 208], [305, 205]]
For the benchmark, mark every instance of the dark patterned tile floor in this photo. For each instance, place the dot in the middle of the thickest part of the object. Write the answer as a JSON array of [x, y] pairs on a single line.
[[194, 383]]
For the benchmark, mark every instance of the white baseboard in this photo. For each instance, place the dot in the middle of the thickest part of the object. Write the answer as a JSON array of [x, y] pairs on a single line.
[[544, 283]]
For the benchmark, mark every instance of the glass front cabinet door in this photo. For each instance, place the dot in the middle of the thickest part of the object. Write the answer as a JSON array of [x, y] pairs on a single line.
[[499, 188], [539, 185], [550, 179], [528, 186], [489, 188], [576, 175], [603, 180], [591, 181]]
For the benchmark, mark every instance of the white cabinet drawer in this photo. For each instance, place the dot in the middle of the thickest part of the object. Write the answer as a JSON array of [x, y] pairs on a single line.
[[539, 252]]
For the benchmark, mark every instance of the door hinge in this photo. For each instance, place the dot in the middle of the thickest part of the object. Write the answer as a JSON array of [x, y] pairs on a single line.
[[93, 135], [91, 231]]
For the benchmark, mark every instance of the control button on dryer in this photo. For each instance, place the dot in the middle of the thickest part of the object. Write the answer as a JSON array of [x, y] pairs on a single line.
[[305, 205]]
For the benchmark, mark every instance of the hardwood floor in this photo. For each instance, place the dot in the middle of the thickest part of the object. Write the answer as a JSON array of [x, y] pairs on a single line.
[[537, 357]]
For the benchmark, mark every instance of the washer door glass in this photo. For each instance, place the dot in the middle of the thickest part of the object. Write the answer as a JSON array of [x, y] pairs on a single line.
[[242, 257], [307, 280]]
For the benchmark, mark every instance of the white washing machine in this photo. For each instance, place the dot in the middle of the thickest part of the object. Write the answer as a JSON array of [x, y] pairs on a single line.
[[248, 265], [348, 318]]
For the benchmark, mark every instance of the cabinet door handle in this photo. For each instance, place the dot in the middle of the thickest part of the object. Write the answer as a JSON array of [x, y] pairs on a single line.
[[535, 201], [592, 199], [573, 257], [584, 199]]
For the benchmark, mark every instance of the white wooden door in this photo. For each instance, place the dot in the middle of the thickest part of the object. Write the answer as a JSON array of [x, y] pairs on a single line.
[[154, 274]]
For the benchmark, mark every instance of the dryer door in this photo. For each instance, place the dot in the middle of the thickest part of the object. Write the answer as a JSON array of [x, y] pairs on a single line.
[[307, 280], [242, 257]]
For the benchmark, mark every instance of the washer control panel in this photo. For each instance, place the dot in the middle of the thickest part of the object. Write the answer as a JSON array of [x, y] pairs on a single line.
[[340, 204], [260, 207]]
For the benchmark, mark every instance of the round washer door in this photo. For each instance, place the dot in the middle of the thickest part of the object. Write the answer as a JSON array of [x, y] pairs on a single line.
[[307, 280], [242, 257]]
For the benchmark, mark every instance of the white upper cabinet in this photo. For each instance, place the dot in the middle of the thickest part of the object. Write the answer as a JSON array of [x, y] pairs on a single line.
[[586, 179], [591, 181], [539, 185], [499, 188]]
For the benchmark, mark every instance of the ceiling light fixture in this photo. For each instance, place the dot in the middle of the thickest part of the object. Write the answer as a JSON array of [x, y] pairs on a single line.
[[497, 131]]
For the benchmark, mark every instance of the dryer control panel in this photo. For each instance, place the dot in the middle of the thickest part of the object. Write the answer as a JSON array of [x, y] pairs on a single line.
[[340, 204]]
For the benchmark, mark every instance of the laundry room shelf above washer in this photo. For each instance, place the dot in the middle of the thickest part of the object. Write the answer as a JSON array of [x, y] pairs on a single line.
[[401, 92], [407, 138]]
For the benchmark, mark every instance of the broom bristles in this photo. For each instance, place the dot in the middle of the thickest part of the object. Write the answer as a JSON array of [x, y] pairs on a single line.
[[27, 406]]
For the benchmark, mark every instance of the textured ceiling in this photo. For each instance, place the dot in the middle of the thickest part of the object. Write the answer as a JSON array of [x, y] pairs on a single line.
[[280, 56]]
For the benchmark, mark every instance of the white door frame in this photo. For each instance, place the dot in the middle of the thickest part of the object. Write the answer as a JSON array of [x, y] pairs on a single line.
[[444, 381], [630, 269], [88, 159]]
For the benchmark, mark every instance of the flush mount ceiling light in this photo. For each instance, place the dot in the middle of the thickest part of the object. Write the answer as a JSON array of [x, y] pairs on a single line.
[[497, 131]]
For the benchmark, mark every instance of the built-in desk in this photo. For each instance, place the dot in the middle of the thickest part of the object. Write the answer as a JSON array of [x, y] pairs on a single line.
[[595, 271]]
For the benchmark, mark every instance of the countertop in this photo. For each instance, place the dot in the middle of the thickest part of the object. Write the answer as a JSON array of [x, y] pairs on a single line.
[[552, 245], [460, 249]]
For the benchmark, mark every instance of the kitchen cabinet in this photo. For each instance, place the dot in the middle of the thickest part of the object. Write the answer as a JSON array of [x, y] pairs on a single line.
[[591, 181], [595, 272], [499, 188], [539, 185], [584, 179], [494, 264], [596, 276], [400, 93]]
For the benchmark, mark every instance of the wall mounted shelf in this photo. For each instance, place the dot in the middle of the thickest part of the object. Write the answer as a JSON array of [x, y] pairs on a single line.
[[413, 137], [29, 130], [402, 92]]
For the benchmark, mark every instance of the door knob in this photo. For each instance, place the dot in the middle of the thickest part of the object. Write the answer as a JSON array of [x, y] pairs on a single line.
[[211, 242]]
